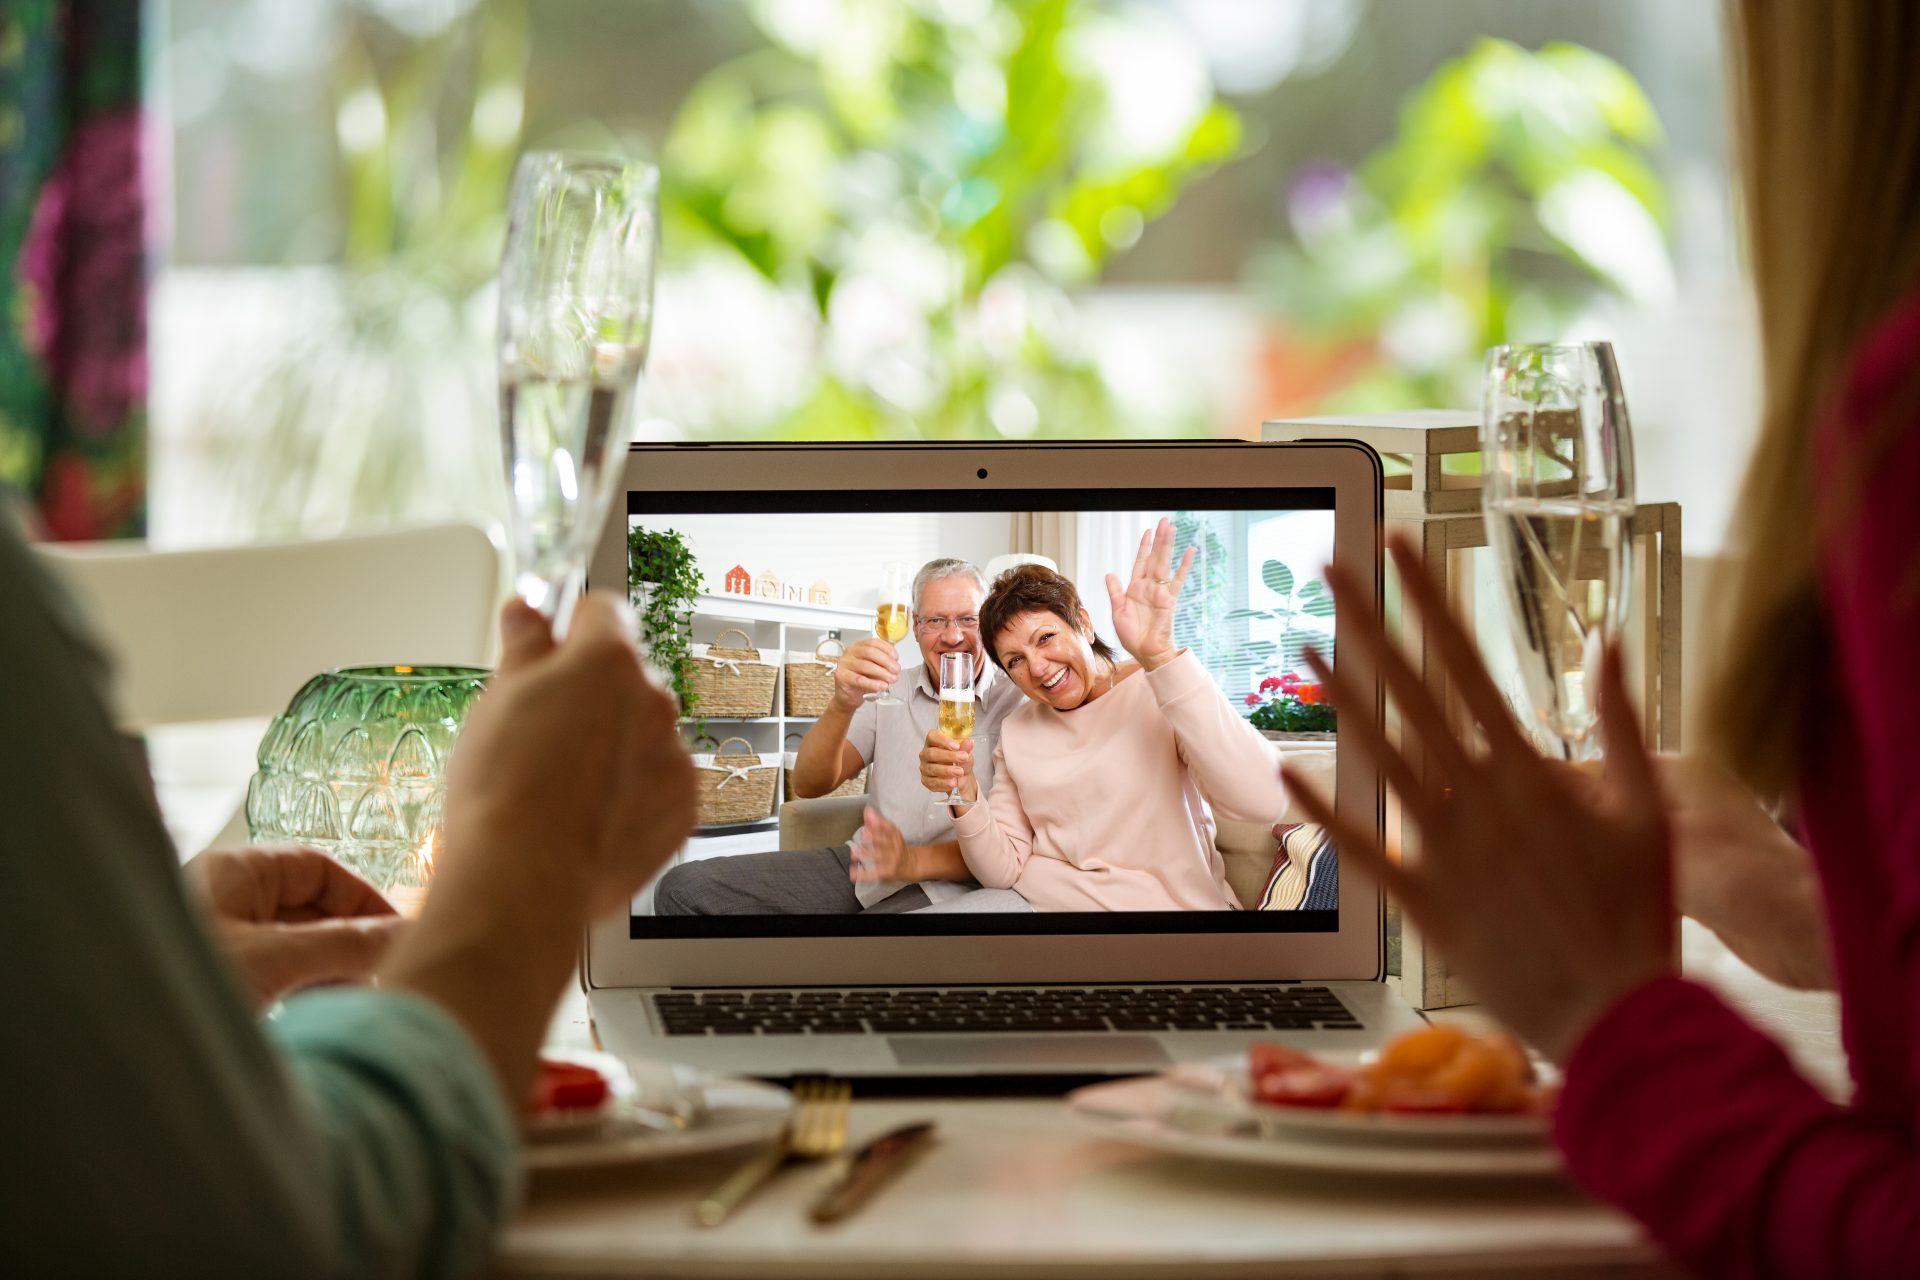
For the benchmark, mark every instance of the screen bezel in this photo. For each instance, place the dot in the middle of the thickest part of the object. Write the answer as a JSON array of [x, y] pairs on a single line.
[[1201, 949]]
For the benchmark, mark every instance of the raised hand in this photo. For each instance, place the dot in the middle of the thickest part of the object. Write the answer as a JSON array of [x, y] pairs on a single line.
[[1549, 891], [1143, 608], [868, 666], [880, 852], [947, 765]]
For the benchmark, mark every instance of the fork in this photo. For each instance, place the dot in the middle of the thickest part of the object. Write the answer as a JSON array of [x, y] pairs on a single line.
[[817, 1130]]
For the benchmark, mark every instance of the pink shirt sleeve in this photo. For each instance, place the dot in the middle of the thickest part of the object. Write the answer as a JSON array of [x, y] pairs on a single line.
[[1237, 770], [1682, 1112], [995, 837]]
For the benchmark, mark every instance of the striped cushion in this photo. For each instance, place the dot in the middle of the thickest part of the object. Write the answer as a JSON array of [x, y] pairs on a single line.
[[1287, 883]]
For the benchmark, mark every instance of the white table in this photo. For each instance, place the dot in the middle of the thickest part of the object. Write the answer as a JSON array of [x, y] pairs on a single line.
[[1019, 1187]]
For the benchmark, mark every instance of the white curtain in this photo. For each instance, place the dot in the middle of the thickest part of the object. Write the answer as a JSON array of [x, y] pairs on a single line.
[[1105, 542]]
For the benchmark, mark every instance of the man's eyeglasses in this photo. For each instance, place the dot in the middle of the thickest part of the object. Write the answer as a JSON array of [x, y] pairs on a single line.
[[937, 625]]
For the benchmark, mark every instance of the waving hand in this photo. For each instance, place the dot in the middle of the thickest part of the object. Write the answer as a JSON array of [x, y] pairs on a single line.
[[1143, 610]]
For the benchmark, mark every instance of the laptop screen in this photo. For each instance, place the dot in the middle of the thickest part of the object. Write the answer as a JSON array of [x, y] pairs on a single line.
[[1121, 737]]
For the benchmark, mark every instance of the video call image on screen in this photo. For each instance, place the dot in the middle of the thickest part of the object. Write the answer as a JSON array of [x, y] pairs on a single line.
[[1045, 749]]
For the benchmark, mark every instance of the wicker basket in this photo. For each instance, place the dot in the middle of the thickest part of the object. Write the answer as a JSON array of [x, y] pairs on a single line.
[[810, 680], [736, 786], [854, 786], [730, 681]]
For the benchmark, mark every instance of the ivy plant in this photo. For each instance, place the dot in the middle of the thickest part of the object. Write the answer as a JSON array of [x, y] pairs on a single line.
[[661, 561]]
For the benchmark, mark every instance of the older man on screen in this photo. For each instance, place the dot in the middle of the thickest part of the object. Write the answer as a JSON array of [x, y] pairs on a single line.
[[920, 868]]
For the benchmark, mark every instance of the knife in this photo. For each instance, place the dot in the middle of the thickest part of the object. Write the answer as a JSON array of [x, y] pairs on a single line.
[[869, 1167]]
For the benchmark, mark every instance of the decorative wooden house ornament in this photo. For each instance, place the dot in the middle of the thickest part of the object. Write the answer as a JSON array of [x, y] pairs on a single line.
[[820, 593], [769, 585], [739, 581]]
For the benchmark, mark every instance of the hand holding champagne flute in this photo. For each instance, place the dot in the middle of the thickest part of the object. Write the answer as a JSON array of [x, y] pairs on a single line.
[[894, 616], [946, 767], [956, 712], [866, 668]]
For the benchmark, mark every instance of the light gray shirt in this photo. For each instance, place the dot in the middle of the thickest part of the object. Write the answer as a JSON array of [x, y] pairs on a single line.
[[890, 737]]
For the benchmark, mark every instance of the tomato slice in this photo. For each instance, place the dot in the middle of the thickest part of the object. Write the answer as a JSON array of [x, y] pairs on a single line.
[[1316, 1085], [567, 1086], [1265, 1059]]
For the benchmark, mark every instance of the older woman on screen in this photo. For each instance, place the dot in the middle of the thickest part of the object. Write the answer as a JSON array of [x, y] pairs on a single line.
[[1099, 779]]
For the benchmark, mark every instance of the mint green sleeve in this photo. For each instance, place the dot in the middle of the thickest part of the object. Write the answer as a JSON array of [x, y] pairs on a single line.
[[148, 1123], [419, 1153]]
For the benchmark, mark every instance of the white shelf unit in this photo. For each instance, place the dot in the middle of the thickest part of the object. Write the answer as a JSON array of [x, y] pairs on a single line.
[[777, 627]]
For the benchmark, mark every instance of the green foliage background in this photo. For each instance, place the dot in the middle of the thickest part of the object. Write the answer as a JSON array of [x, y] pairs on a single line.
[[784, 158], [983, 145], [1481, 211]]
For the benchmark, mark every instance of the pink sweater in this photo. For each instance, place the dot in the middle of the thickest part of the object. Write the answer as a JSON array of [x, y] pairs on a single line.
[[1677, 1108], [1101, 808]]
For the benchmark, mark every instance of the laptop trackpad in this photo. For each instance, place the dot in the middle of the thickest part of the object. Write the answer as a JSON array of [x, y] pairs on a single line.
[[1059, 1051]]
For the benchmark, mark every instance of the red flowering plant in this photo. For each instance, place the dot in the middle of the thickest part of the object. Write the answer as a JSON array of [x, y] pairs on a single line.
[[1288, 704]]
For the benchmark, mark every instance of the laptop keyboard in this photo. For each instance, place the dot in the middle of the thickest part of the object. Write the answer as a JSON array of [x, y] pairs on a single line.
[[866, 1011]]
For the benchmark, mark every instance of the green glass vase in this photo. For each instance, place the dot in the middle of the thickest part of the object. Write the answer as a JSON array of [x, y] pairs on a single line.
[[356, 767]]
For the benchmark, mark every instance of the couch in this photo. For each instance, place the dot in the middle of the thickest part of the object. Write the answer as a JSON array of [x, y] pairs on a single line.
[[1247, 848]]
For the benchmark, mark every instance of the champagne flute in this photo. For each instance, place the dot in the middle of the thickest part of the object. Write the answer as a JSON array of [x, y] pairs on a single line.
[[1557, 455], [576, 315], [893, 617], [956, 710]]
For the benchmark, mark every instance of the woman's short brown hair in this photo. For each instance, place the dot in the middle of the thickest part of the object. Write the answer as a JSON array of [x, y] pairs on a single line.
[[1025, 588]]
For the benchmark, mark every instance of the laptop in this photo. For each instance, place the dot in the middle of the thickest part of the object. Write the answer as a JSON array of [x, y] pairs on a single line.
[[791, 541]]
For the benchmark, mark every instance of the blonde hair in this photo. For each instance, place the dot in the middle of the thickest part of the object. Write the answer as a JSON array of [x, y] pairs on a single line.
[[1830, 154]]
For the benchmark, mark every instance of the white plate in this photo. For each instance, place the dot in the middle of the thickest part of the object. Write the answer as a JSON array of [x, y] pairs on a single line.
[[1151, 1112], [1222, 1085], [634, 1128]]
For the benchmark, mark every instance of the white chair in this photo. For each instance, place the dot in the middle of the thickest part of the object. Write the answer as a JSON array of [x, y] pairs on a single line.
[[231, 633]]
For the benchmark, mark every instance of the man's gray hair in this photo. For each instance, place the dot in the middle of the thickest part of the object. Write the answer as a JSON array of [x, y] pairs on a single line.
[[934, 570]]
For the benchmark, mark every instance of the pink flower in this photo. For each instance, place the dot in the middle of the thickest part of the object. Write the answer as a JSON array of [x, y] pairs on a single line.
[[83, 274], [1269, 685], [1253, 699]]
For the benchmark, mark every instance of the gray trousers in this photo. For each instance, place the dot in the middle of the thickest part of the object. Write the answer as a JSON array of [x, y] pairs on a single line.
[[790, 882]]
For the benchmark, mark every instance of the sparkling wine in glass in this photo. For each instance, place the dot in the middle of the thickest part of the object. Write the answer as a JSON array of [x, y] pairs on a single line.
[[1557, 463], [576, 316], [956, 709], [894, 616]]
